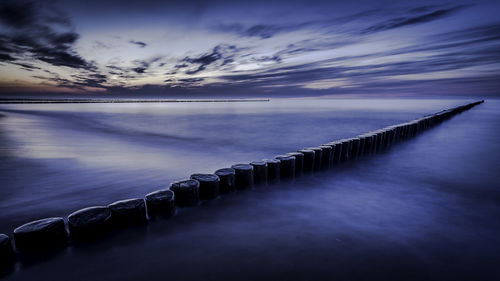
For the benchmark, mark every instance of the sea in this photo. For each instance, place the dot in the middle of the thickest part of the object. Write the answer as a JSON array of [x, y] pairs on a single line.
[[426, 209]]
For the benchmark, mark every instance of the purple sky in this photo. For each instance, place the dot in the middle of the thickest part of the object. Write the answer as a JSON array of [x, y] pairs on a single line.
[[256, 48]]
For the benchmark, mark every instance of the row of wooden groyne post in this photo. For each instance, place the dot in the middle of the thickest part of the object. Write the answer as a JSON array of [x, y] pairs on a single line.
[[94, 222]]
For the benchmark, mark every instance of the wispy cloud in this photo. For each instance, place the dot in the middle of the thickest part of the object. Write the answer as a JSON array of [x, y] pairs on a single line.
[[424, 14], [138, 43], [222, 54]]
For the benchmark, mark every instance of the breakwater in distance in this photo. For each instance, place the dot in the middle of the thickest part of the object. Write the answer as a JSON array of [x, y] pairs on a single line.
[[39, 101], [95, 222]]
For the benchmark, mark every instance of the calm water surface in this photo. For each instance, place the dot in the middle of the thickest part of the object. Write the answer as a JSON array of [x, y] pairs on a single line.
[[427, 209]]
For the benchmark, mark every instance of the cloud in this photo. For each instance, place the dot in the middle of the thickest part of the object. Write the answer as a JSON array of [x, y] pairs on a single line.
[[221, 53], [18, 15], [449, 55], [191, 80], [143, 65], [426, 15], [6, 57], [184, 82], [91, 80], [267, 30], [78, 81], [138, 43], [202, 61], [462, 41], [114, 67], [139, 70], [33, 36], [413, 16], [263, 31], [27, 66]]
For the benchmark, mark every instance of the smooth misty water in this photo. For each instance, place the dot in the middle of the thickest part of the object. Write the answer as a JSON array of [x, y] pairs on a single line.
[[426, 209]]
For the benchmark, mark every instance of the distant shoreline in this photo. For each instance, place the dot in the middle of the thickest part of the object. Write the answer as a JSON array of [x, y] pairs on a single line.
[[37, 101]]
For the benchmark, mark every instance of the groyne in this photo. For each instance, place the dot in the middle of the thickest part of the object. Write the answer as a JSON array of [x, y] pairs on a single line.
[[95, 222], [122, 100]]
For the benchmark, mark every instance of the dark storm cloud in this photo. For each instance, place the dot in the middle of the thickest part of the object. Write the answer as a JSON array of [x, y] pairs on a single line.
[[138, 43], [31, 35], [427, 16]]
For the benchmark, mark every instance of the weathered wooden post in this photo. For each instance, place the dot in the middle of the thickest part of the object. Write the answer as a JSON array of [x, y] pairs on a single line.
[[226, 180], [7, 258], [299, 162], [186, 192], [129, 212], [41, 234], [259, 172], [160, 203], [318, 153], [326, 156], [273, 170], [309, 159], [209, 185], [243, 176], [287, 167], [89, 223]]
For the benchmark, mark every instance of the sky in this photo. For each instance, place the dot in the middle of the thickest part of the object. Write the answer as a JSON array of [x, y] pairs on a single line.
[[249, 48]]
